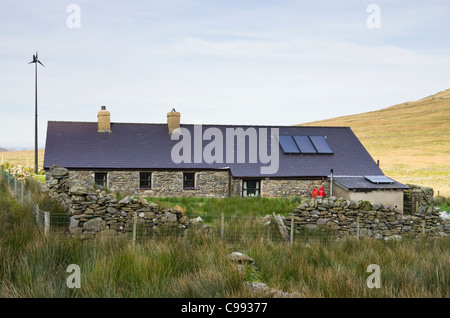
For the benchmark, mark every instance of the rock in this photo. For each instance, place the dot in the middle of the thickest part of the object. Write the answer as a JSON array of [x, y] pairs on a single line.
[[170, 217], [78, 190], [240, 258], [73, 226], [447, 227], [95, 225], [196, 221], [58, 172], [321, 222], [393, 237], [125, 200], [111, 210], [143, 201]]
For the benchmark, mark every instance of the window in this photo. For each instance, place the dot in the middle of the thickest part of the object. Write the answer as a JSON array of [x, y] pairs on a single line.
[[145, 180], [189, 180], [101, 179], [250, 188]]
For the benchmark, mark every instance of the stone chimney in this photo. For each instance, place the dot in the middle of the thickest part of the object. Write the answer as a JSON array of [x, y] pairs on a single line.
[[173, 120], [104, 120]]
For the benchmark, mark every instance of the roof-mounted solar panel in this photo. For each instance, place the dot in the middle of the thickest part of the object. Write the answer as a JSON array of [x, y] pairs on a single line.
[[379, 179], [288, 144], [321, 144], [305, 145]]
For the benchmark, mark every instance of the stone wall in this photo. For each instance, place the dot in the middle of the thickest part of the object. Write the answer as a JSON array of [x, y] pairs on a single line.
[[98, 212], [279, 188], [416, 197], [164, 183], [375, 220], [210, 183]]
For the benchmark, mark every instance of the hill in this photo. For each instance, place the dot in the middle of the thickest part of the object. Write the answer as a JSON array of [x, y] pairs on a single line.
[[411, 139], [3, 149]]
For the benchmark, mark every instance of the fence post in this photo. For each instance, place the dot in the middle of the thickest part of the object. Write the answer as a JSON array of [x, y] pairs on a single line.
[[134, 227], [3, 171], [15, 186], [46, 223], [357, 227], [423, 227], [292, 229], [36, 209], [222, 225], [22, 186]]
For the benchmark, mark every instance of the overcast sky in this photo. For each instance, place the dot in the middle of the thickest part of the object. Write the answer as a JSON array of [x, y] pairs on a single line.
[[279, 62]]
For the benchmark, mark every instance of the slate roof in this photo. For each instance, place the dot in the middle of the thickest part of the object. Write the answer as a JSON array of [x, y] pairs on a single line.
[[360, 183], [78, 145]]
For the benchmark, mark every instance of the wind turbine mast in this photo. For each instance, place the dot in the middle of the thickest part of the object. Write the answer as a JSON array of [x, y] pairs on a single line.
[[35, 61]]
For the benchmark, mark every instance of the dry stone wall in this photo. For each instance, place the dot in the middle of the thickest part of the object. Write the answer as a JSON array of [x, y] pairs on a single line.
[[375, 220], [415, 197], [101, 213]]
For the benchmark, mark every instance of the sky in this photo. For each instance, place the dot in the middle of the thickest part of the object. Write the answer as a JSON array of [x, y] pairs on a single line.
[[247, 62]]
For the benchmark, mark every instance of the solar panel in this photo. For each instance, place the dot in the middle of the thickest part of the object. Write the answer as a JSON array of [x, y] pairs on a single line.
[[379, 179], [288, 144], [321, 144], [304, 144]]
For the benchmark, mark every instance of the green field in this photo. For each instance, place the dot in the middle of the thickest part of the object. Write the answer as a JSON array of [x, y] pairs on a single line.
[[411, 140]]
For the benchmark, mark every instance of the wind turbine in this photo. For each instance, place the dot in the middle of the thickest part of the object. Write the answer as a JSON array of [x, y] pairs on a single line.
[[35, 61]]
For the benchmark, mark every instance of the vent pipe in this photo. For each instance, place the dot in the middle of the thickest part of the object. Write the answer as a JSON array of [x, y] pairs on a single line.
[[331, 183]]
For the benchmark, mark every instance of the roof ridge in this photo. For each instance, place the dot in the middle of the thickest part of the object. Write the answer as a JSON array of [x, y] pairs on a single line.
[[216, 125]]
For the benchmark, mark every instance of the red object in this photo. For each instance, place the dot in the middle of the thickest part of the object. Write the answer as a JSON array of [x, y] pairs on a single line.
[[315, 193], [321, 192]]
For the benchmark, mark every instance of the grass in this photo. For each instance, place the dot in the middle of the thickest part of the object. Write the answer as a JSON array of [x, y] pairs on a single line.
[[34, 265], [411, 140], [443, 203], [23, 158]]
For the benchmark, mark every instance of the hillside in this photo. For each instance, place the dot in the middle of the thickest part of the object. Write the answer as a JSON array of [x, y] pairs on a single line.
[[411, 140], [3, 149]]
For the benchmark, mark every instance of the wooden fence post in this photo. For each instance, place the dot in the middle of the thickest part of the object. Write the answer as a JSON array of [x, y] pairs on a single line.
[[46, 223], [22, 186], [292, 229], [423, 227], [357, 227], [222, 225], [134, 227], [37, 214], [15, 186]]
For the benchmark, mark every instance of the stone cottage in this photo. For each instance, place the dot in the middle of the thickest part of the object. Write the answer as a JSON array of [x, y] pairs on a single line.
[[174, 159]]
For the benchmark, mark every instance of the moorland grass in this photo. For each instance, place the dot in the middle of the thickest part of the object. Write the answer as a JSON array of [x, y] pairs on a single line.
[[34, 265]]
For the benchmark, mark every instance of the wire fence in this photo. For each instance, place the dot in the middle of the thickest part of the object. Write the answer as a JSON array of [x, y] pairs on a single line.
[[44, 220], [227, 228]]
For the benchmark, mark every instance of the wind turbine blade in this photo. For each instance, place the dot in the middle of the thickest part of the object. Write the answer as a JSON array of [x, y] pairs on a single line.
[[40, 63]]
